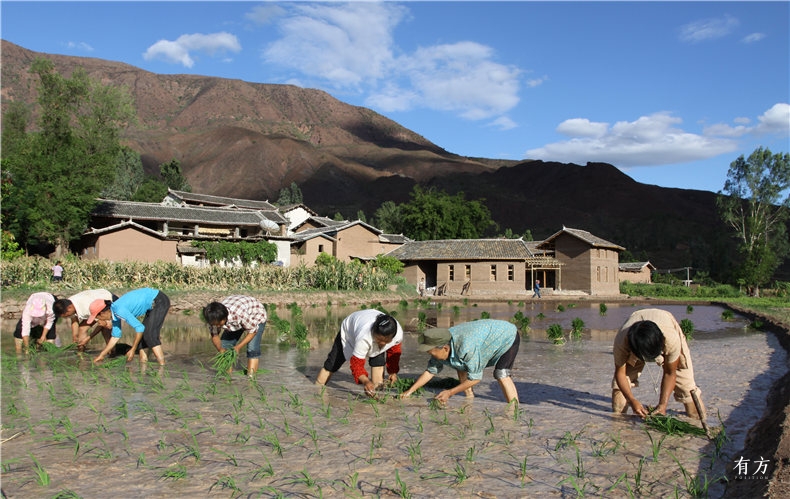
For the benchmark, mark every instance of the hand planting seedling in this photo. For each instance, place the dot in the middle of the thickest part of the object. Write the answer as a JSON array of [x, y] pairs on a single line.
[[224, 361]]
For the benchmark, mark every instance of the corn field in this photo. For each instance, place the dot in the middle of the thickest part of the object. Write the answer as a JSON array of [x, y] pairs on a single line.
[[86, 274]]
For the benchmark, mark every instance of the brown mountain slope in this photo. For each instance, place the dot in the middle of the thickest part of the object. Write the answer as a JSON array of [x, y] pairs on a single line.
[[247, 139]]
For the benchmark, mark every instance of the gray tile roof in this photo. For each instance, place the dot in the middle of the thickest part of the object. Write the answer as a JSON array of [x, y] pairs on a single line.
[[193, 198], [635, 266], [393, 238], [594, 241], [463, 249], [192, 214], [332, 230]]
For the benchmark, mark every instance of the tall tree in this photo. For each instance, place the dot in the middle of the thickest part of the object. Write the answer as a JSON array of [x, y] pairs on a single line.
[[290, 195], [129, 176], [64, 165], [755, 203], [388, 218], [432, 214], [173, 177]]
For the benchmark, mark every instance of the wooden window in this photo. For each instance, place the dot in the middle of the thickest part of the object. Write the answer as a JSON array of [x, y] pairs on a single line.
[[492, 276], [511, 273], [451, 273], [598, 273], [468, 272], [320, 248]]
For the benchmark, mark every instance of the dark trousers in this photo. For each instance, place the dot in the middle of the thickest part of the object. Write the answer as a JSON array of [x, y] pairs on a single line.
[[335, 359], [153, 321]]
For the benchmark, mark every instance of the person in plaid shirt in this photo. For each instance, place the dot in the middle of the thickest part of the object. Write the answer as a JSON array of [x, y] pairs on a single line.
[[229, 320]]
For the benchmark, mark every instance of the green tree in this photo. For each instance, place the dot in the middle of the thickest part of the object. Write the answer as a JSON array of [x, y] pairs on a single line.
[[129, 176], [432, 214], [361, 216], [752, 205], [387, 218], [150, 191], [290, 195], [58, 171], [173, 177]]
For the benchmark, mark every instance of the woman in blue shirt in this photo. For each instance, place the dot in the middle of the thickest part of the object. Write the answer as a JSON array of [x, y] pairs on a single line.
[[469, 348], [149, 303]]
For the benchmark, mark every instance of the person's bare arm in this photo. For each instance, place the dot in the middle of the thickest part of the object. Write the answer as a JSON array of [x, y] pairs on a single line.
[[444, 395], [107, 349], [424, 378], [667, 385], [624, 384]]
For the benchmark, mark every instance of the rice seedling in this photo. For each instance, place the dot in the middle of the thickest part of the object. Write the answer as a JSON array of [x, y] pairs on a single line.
[[688, 328], [560, 308], [638, 476], [66, 494], [225, 482], [689, 309], [415, 453], [555, 334], [568, 439], [42, 477], [403, 489], [523, 476], [272, 439], [673, 426], [485, 315], [521, 321], [223, 362], [602, 309], [696, 485], [756, 324], [471, 453], [263, 471], [141, 461], [727, 315], [540, 316], [655, 444], [174, 472], [577, 326], [606, 447], [231, 458]]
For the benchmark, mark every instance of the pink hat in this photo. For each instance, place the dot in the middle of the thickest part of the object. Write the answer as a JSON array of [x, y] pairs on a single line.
[[38, 307], [96, 307]]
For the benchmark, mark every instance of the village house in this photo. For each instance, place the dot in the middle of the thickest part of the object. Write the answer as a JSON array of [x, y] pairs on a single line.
[[344, 240], [570, 260], [591, 264], [637, 272]]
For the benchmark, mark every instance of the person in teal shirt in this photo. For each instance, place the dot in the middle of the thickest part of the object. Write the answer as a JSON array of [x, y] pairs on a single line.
[[149, 303], [469, 348]]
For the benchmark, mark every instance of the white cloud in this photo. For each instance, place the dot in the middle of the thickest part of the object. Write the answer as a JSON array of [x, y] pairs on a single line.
[[342, 44], [708, 29], [648, 141], [79, 46], [264, 14], [753, 37], [503, 123], [351, 47], [534, 82], [775, 121], [180, 51], [582, 127]]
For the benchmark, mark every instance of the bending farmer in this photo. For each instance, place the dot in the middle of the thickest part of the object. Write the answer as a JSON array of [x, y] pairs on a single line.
[[469, 348], [230, 319], [653, 335], [366, 334]]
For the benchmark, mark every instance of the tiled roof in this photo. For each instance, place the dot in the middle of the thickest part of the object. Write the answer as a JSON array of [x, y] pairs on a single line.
[[192, 198], [594, 241], [123, 225], [393, 238], [332, 230], [463, 249], [635, 266], [197, 214]]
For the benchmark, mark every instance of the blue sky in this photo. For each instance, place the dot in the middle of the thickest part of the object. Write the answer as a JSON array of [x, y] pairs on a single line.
[[669, 92]]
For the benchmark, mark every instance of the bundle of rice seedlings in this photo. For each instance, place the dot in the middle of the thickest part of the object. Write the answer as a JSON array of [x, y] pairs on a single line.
[[403, 384], [117, 361], [673, 426], [223, 362], [49, 347]]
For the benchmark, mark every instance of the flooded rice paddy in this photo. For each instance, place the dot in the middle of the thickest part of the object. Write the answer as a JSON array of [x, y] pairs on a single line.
[[71, 429]]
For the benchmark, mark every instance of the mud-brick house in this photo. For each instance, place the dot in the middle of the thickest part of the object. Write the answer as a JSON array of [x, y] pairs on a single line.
[[183, 198], [132, 231], [345, 240], [637, 272], [470, 266], [590, 264]]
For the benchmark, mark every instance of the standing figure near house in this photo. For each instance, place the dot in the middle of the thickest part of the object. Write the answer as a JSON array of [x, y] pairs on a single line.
[[77, 309], [469, 348], [229, 320], [38, 321], [653, 335], [57, 272], [421, 286], [149, 303], [536, 289], [366, 334]]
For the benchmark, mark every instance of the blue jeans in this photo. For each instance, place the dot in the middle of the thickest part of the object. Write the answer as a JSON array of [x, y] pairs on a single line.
[[229, 339]]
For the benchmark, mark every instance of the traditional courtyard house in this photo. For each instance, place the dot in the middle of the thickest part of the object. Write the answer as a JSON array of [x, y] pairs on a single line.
[[637, 272], [591, 264], [467, 266], [125, 230], [344, 240], [183, 198], [297, 214]]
